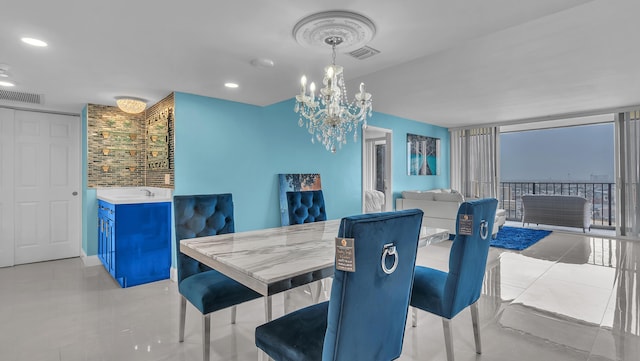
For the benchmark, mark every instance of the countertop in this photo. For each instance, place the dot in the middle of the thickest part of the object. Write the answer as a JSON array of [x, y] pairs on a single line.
[[134, 195]]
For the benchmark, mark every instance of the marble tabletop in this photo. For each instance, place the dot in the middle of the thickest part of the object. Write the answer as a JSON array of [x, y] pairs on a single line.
[[276, 259], [270, 260]]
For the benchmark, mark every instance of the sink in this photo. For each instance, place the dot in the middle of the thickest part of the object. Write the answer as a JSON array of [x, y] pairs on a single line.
[[131, 195]]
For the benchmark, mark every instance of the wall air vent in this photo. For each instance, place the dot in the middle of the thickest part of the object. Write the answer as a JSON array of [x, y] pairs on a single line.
[[364, 52], [21, 97]]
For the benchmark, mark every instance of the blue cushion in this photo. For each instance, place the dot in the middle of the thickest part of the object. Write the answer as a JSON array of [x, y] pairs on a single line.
[[306, 207], [446, 294], [212, 291], [199, 216], [295, 336], [353, 326], [428, 289]]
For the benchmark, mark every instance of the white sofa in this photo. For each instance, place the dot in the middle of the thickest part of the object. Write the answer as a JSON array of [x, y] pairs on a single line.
[[373, 201], [440, 207]]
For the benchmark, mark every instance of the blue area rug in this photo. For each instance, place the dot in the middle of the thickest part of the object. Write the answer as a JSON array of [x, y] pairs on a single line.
[[518, 238]]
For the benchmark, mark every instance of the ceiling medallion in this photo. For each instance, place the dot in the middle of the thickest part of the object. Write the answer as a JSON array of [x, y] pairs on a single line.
[[354, 29]]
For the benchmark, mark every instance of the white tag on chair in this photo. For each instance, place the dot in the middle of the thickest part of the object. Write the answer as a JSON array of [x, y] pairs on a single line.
[[465, 224], [345, 254]]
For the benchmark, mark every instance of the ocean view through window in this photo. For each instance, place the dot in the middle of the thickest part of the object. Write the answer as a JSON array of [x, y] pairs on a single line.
[[575, 160]]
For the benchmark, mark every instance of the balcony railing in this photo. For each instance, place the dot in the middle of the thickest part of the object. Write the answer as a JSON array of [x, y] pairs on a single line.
[[601, 195]]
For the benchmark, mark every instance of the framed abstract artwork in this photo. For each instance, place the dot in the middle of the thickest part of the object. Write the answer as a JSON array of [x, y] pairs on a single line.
[[423, 155]]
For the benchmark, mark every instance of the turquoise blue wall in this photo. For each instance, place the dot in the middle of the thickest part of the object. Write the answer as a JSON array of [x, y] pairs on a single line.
[[83, 121], [400, 127], [89, 201], [91, 224], [229, 147]]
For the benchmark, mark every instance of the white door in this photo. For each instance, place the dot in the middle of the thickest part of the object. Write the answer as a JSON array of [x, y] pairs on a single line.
[[46, 185], [388, 156], [6, 187], [370, 171]]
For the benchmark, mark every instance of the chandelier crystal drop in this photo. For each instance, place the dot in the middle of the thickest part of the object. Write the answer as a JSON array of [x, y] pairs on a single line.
[[329, 117]]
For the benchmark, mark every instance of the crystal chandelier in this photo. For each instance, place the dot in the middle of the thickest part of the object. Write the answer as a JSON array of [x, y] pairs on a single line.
[[330, 117]]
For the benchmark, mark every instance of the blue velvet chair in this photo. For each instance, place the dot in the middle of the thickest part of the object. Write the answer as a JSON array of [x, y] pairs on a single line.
[[446, 294], [366, 314], [206, 289], [306, 207]]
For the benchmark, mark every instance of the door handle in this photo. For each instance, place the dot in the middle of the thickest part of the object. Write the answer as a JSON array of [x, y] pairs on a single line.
[[74, 193]]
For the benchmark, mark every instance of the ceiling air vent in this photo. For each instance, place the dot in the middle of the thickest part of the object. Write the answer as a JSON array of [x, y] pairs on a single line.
[[21, 97], [364, 52]]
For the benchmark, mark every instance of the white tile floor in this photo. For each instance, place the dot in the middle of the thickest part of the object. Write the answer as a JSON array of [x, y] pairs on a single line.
[[569, 297]]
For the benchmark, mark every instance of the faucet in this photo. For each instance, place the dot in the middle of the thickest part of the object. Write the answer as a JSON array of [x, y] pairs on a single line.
[[149, 193]]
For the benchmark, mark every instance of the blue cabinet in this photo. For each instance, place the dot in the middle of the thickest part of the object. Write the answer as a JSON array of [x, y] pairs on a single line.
[[106, 230], [134, 241]]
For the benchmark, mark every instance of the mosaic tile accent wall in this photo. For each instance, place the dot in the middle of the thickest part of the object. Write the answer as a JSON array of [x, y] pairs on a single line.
[[122, 146], [115, 143], [160, 153]]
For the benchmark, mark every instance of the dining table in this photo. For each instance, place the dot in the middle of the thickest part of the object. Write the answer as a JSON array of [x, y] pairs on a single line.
[[273, 260]]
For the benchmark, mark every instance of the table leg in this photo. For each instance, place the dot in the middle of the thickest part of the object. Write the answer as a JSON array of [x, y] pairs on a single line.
[[267, 308]]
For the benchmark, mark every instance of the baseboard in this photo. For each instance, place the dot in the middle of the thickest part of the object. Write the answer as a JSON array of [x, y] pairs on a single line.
[[173, 274], [90, 261]]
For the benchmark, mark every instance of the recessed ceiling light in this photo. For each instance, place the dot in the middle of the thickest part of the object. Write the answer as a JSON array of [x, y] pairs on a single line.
[[4, 71], [231, 85], [34, 42], [262, 63], [6, 83]]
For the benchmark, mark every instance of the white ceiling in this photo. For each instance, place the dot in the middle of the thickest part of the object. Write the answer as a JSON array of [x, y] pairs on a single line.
[[450, 63]]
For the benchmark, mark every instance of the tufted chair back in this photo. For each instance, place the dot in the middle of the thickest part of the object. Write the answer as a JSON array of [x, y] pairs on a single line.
[[306, 207], [199, 216]]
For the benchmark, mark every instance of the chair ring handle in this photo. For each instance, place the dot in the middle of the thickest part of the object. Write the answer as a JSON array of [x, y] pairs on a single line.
[[389, 250], [484, 229]]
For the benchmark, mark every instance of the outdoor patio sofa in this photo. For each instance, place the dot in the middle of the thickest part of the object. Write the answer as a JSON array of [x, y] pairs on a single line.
[[557, 210]]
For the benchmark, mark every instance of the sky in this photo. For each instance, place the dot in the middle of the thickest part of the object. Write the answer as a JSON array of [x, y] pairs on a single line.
[[559, 154]]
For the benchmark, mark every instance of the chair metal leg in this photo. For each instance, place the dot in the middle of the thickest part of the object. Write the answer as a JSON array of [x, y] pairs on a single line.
[[183, 314], [206, 336], [448, 338], [414, 316], [475, 319], [262, 356], [233, 315]]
